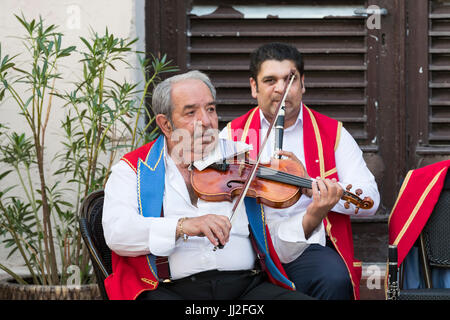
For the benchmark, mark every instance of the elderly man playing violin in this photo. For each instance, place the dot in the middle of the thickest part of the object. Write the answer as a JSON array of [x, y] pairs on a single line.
[[301, 232], [162, 236]]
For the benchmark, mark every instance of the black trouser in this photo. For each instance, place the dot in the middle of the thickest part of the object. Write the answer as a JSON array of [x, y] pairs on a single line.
[[321, 273], [222, 285]]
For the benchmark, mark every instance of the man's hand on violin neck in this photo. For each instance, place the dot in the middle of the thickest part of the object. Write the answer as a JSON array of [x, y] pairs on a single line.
[[215, 227], [325, 194]]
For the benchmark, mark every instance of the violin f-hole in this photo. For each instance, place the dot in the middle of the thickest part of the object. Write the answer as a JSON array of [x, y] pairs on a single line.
[[229, 183]]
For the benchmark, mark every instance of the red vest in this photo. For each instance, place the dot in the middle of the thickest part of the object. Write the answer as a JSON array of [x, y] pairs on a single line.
[[321, 138], [131, 275], [418, 195], [416, 199]]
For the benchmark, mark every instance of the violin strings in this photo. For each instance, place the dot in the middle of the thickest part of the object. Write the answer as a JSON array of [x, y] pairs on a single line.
[[286, 177], [306, 183], [293, 179]]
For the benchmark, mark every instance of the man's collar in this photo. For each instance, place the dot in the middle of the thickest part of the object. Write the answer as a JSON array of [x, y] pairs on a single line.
[[165, 154]]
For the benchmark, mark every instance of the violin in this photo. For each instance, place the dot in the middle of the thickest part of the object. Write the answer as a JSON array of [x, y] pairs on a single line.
[[277, 185]]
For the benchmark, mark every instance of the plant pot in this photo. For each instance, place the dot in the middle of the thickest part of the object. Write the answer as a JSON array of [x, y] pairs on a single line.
[[11, 290]]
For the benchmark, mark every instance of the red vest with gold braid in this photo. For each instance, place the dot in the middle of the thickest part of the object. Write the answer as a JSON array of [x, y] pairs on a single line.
[[133, 275], [418, 195], [321, 138]]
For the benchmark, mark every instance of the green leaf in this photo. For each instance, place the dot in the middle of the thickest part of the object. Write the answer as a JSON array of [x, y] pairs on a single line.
[[86, 44], [2, 94], [4, 174], [25, 24], [58, 42], [7, 66], [66, 52]]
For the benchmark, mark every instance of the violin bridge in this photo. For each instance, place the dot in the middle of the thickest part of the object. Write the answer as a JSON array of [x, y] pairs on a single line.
[[241, 169]]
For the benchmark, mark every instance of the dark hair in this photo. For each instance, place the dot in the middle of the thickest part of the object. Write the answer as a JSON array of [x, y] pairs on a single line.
[[275, 51]]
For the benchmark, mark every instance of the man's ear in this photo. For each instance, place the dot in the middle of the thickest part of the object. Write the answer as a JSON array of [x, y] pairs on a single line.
[[164, 124], [254, 87], [302, 82]]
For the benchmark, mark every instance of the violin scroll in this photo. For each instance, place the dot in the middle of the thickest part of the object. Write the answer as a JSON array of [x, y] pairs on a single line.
[[349, 197]]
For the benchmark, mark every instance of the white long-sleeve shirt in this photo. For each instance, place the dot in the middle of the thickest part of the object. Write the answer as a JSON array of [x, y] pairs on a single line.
[[129, 234], [285, 225]]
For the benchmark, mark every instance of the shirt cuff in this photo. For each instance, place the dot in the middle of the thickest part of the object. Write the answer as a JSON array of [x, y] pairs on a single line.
[[289, 238], [291, 230], [162, 236]]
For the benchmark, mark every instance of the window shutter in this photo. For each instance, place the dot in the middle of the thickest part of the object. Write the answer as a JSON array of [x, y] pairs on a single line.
[[332, 39], [439, 73]]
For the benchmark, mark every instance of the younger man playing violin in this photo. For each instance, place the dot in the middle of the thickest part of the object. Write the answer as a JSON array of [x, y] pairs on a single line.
[[329, 152], [150, 211]]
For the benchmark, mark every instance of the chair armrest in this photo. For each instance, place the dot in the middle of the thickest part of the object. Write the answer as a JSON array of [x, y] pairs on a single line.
[[92, 251]]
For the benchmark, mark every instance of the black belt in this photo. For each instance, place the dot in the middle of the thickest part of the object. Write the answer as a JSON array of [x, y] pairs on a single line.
[[214, 274]]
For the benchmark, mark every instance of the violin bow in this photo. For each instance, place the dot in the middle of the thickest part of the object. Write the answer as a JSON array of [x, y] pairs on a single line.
[[251, 176]]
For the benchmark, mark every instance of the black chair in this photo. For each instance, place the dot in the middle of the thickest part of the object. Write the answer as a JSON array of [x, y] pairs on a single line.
[[92, 232], [434, 252]]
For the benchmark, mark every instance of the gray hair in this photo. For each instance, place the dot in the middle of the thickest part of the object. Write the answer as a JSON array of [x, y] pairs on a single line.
[[162, 97]]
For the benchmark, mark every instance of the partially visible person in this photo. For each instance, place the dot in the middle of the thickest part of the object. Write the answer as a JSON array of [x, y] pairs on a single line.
[[331, 157]]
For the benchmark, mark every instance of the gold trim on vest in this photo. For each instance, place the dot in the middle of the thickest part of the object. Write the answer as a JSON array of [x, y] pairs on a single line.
[[405, 183], [417, 207], [319, 142], [247, 125], [334, 240], [330, 172], [338, 135]]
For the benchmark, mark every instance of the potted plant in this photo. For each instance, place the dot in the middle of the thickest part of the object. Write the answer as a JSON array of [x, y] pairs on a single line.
[[40, 194]]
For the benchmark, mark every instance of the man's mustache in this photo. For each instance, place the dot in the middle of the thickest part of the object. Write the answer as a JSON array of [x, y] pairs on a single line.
[[206, 134]]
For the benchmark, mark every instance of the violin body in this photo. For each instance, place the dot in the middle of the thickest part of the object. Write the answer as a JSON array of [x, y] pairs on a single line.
[[215, 184]]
